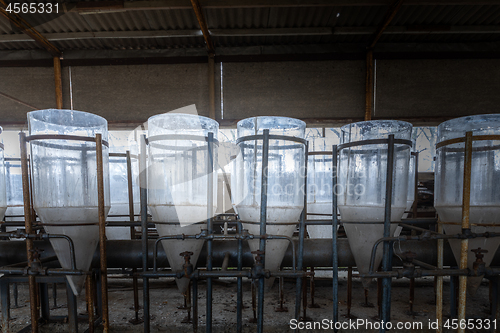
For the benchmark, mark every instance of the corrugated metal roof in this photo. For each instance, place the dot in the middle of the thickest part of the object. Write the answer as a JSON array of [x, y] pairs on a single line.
[[260, 18]]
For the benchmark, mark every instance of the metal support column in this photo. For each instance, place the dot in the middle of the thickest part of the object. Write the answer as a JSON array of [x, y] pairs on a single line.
[[144, 228], [387, 259], [210, 198], [335, 223]]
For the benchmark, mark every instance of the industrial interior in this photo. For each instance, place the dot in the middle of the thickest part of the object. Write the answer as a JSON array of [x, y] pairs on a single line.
[[250, 166]]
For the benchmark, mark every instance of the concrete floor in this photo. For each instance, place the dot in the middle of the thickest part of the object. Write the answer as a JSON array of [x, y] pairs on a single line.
[[165, 299]]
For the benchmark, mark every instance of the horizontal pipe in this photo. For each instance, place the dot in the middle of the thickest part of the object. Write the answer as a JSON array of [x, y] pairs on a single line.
[[317, 253]]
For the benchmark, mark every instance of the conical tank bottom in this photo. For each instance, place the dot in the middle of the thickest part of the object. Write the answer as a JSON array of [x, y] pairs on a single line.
[[276, 248], [478, 214], [173, 248], [362, 236], [85, 237]]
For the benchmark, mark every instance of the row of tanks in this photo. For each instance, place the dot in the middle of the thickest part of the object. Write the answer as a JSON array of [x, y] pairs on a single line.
[[182, 170]]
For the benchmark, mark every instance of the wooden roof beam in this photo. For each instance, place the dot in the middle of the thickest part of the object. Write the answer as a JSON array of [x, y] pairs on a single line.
[[203, 26]]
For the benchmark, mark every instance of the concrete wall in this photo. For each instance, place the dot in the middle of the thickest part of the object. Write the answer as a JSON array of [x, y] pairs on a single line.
[[313, 89]]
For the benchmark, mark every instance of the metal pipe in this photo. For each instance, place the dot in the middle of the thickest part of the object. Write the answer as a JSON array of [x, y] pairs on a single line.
[[144, 231], [335, 223], [239, 292], [102, 232], [263, 219], [302, 233], [387, 259], [462, 289], [210, 199], [58, 82], [28, 228], [439, 286], [90, 303]]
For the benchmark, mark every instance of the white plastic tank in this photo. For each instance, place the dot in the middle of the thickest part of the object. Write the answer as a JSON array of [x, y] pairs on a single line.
[[285, 193], [484, 195], [362, 179], [64, 176], [319, 187], [178, 182]]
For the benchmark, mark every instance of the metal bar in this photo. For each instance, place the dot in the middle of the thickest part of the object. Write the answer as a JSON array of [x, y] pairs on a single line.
[[58, 82], [387, 258], [102, 232], [19, 101], [194, 284], [439, 285], [72, 310], [144, 228], [391, 12], [462, 289], [369, 85], [90, 302], [203, 26], [28, 229], [263, 219], [335, 224], [210, 201], [5, 299], [211, 85], [239, 296]]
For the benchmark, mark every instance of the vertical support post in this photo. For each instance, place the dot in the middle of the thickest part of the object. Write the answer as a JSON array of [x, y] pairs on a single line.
[[239, 296], [210, 201], [28, 226], [263, 221], [5, 296], [211, 85], [144, 227], [72, 310], [90, 302], [439, 286], [369, 85], [415, 200], [194, 284], [462, 280], [335, 223], [58, 82], [102, 232], [387, 259], [302, 234]]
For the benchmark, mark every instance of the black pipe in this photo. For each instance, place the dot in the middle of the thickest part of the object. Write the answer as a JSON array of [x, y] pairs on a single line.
[[317, 253]]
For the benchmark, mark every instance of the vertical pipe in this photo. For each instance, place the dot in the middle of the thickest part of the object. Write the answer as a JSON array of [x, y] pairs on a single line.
[[263, 220], [302, 233], [72, 310], [44, 301], [387, 259], [335, 223], [462, 287], [5, 293], [144, 228], [29, 230], [439, 287], [211, 85], [102, 232], [369, 85], [239, 300], [131, 214], [210, 199], [90, 302], [58, 82], [415, 196]]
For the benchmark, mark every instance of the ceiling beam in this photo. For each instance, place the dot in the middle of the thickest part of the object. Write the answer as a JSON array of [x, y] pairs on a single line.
[[257, 32], [391, 12], [203, 26], [26, 28], [109, 6]]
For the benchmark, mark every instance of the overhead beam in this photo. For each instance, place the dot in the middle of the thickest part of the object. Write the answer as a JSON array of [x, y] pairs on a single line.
[[25, 27], [391, 12], [116, 6], [341, 31], [203, 26]]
